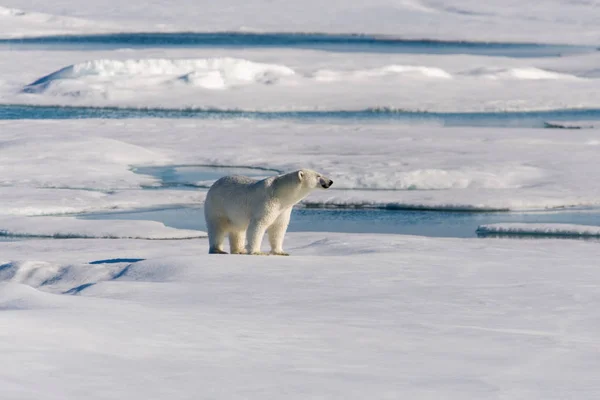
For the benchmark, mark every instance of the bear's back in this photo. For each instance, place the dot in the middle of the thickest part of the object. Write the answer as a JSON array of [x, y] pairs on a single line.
[[234, 180]]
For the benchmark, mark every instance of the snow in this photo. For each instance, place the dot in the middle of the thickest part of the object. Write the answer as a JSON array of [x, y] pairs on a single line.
[[87, 165], [526, 73], [349, 316], [540, 229], [217, 73], [16, 23], [20, 200], [554, 21], [297, 80], [69, 227], [346, 316]]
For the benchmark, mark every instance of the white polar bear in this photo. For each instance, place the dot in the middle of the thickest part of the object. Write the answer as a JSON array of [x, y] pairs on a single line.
[[245, 208]]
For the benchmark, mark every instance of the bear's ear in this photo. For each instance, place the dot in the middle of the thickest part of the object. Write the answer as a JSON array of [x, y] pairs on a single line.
[[300, 175]]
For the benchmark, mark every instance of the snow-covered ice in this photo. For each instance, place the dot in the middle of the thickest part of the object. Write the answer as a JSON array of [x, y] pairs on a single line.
[[86, 165], [15, 23], [347, 316], [70, 227], [540, 229], [553, 21], [298, 80], [34, 200]]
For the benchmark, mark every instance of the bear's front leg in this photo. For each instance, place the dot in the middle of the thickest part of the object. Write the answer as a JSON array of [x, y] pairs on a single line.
[[277, 232], [254, 236]]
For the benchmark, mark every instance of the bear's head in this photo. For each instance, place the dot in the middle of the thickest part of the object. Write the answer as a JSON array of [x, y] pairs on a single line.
[[313, 179]]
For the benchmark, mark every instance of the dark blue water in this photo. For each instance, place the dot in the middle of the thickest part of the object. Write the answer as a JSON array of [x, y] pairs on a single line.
[[409, 222], [525, 119], [338, 43]]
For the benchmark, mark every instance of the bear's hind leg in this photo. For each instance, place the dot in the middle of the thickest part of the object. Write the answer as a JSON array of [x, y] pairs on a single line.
[[237, 242], [216, 237]]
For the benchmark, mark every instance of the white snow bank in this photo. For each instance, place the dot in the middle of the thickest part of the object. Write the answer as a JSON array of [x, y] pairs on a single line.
[[69, 227], [217, 73], [344, 317], [301, 81], [539, 229]]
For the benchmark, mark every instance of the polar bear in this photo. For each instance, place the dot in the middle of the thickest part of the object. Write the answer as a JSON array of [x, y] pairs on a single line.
[[245, 208]]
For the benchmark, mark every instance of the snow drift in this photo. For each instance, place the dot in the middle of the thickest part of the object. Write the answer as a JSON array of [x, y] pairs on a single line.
[[216, 73]]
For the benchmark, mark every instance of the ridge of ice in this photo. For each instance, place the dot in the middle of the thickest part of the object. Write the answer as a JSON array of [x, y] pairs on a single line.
[[209, 73]]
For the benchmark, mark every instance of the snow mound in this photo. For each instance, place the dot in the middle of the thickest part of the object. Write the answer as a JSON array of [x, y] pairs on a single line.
[[56, 278], [524, 73], [16, 296], [539, 229], [208, 73], [69, 227], [38, 274]]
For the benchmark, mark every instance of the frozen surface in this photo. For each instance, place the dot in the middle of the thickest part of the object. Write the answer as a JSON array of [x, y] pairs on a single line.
[[69, 227], [86, 165], [540, 229], [27, 198], [563, 21], [298, 80], [15, 22], [346, 316]]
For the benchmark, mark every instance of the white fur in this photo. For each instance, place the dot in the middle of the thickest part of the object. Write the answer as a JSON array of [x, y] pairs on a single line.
[[245, 209]]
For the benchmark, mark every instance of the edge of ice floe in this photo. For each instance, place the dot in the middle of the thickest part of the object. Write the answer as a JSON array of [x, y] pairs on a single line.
[[540, 229], [73, 228]]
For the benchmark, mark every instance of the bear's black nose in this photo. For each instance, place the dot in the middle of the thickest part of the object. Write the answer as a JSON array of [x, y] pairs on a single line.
[[330, 182]]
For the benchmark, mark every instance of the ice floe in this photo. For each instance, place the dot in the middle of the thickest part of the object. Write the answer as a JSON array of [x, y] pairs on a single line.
[[344, 315], [557, 21], [380, 165], [298, 80], [70, 228]]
